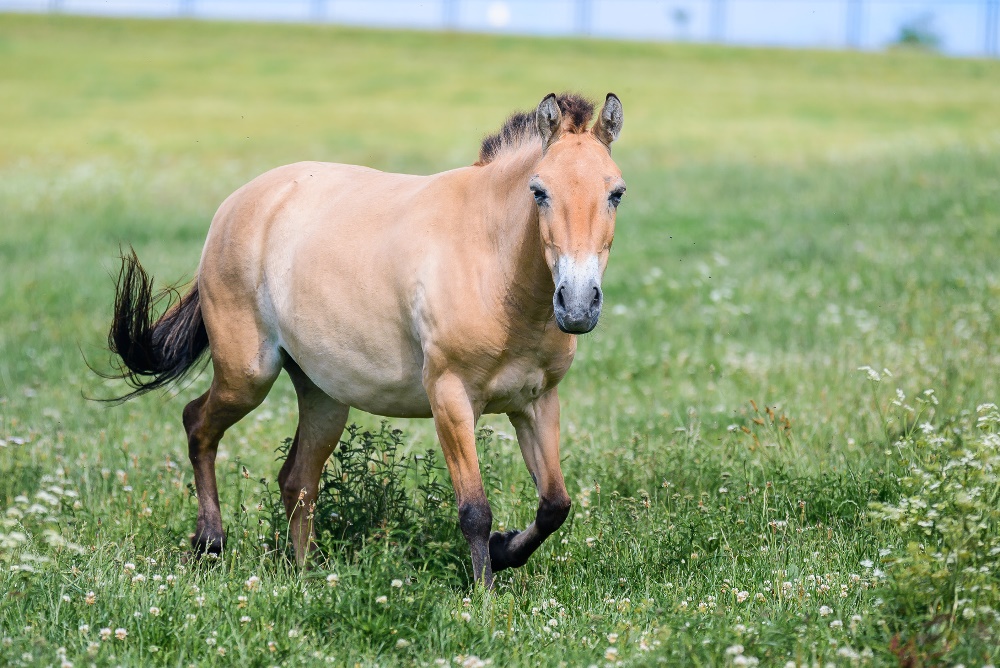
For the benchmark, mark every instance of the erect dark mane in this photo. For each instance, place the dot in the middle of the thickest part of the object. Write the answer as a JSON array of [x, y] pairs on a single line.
[[520, 126]]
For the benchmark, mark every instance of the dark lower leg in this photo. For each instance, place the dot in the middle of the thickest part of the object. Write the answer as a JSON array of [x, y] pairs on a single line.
[[476, 520], [202, 447], [513, 548]]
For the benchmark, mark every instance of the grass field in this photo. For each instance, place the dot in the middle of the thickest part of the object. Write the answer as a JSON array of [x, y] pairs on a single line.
[[744, 491]]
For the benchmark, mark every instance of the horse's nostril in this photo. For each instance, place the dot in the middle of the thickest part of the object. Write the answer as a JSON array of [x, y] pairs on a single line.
[[597, 298], [560, 299]]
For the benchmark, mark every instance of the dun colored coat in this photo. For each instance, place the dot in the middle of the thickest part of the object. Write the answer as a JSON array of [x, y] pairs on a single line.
[[445, 296]]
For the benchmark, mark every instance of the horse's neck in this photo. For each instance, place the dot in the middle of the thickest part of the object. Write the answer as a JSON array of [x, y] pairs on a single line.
[[512, 221]]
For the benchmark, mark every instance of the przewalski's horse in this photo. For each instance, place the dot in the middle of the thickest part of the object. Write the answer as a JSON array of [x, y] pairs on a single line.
[[445, 296]]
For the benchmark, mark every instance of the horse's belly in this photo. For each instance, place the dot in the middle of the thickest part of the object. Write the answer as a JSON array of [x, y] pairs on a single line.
[[373, 388], [375, 376]]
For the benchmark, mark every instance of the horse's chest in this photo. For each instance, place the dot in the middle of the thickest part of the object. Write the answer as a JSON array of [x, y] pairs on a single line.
[[519, 380], [513, 387]]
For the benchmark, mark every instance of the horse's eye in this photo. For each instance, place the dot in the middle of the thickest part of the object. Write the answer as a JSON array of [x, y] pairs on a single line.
[[616, 197], [541, 197]]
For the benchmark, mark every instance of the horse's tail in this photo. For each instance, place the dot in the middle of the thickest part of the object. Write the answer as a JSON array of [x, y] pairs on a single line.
[[153, 352]]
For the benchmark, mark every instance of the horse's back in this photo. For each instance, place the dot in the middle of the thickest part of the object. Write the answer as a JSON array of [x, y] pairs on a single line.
[[322, 256]]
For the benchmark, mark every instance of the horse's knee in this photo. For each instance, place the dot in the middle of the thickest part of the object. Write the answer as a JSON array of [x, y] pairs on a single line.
[[552, 513], [476, 519]]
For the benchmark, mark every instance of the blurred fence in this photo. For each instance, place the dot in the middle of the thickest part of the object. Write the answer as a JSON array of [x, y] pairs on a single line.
[[958, 27]]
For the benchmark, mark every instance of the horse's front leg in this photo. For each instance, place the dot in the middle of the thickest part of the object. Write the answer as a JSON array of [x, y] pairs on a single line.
[[537, 428], [455, 421]]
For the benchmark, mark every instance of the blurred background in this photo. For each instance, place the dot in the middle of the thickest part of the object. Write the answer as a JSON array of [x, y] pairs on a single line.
[[798, 221], [957, 27]]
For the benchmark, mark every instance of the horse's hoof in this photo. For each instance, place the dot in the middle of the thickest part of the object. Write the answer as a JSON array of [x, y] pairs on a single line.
[[206, 544], [501, 556]]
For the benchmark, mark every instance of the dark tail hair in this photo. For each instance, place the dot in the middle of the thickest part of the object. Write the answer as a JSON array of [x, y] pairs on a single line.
[[153, 353]]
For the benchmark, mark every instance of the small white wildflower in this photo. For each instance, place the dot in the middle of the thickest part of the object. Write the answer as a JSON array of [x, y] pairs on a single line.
[[825, 610], [382, 600], [397, 583], [332, 579], [84, 628], [293, 633], [734, 650], [105, 633], [611, 654], [154, 611], [245, 619], [401, 643], [121, 633]]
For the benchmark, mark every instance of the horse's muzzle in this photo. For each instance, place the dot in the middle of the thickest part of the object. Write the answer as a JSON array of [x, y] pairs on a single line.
[[577, 306]]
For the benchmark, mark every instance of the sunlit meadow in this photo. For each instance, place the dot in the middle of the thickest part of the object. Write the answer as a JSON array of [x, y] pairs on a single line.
[[782, 441]]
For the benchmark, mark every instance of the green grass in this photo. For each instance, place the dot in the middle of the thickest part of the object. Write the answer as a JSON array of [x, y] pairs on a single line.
[[792, 216]]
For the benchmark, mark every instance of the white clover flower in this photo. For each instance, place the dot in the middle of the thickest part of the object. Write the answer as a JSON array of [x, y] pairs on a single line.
[[121, 633], [105, 633], [154, 611], [128, 567], [293, 633], [90, 598], [84, 628], [397, 583], [734, 650], [466, 617], [210, 641], [332, 579], [825, 610], [611, 654], [742, 596], [836, 624], [382, 600], [873, 375], [245, 619], [401, 643], [252, 583]]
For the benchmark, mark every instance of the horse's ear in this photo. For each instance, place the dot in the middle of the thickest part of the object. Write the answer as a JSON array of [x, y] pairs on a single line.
[[549, 118], [609, 124]]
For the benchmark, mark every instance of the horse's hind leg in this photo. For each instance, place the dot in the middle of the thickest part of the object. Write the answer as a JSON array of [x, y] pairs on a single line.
[[240, 384], [321, 422]]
